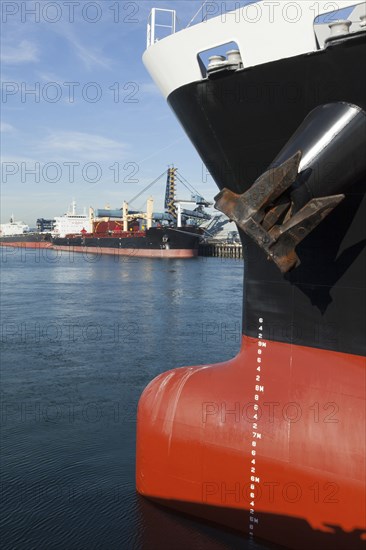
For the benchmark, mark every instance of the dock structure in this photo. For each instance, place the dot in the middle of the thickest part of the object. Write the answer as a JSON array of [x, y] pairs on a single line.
[[221, 250]]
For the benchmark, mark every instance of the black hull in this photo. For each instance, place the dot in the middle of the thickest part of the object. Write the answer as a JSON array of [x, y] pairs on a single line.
[[31, 238], [239, 123], [155, 239]]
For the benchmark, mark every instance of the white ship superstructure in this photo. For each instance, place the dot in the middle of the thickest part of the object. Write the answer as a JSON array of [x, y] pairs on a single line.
[[13, 228], [71, 223]]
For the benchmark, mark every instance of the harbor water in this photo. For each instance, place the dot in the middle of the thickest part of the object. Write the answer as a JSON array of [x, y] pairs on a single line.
[[81, 338]]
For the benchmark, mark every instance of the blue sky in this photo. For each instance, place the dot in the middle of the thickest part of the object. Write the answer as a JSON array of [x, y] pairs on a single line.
[[95, 128], [109, 113]]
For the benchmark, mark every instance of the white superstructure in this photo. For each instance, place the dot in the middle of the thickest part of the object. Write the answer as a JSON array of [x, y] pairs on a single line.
[[262, 31], [71, 223], [13, 228]]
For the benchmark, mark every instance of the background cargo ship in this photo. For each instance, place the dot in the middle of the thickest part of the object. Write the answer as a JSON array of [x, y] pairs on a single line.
[[273, 441], [150, 243], [18, 234], [174, 233]]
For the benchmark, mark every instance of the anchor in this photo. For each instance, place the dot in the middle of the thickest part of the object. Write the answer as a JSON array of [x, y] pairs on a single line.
[[266, 213]]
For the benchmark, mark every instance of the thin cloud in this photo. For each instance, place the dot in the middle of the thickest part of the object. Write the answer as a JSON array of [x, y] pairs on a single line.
[[88, 55], [51, 77], [5, 127], [90, 147], [149, 89], [13, 170], [25, 52]]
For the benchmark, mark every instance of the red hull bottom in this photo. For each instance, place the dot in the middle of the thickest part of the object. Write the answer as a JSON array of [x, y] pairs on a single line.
[[132, 252], [271, 443], [20, 244]]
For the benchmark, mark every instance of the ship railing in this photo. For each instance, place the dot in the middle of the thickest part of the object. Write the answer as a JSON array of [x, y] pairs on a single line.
[[159, 19]]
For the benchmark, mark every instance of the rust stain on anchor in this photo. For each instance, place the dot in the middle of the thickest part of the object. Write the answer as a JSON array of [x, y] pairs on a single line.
[[259, 212]]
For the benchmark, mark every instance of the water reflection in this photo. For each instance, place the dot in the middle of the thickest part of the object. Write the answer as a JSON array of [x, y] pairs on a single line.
[[80, 342]]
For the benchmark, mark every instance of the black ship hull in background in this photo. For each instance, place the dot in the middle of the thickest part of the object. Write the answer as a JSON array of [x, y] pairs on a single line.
[[27, 240], [156, 242]]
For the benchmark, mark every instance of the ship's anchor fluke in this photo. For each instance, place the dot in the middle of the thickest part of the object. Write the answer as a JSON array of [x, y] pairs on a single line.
[[258, 211]]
